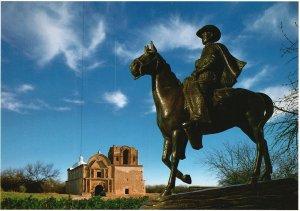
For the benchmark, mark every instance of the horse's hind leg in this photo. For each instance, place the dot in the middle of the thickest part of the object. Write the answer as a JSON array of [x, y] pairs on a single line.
[[167, 151], [264, 151], [267, 174], [253, 134], [259, 154]]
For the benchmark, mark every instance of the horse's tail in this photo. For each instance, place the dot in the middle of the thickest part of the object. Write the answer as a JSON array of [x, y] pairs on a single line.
[[269, 110]]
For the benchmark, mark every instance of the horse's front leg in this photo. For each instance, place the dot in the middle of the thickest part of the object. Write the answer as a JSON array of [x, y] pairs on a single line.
[[174, 164], [167, 151]]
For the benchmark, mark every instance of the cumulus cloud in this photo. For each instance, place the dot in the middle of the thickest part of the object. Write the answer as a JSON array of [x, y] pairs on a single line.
[[268, 23], [117, 99], [45, 30], [249, 82]]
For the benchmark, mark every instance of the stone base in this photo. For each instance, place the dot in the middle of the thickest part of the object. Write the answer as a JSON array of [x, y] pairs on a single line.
[[273, 195]]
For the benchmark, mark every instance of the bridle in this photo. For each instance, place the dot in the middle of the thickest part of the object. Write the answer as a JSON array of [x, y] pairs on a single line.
[[145, 64]]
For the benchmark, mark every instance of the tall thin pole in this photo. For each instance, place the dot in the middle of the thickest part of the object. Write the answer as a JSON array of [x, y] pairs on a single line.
[[81, 91], [115, 84]]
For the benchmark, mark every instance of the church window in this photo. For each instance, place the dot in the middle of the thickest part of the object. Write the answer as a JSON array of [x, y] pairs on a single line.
[[126, 191], [99, 175], [125, 156]]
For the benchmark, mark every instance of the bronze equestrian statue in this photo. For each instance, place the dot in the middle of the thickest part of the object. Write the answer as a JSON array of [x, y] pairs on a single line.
[[226, 107]]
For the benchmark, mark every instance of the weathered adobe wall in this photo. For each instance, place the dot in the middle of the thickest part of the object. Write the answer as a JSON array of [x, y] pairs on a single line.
[[129, 177]]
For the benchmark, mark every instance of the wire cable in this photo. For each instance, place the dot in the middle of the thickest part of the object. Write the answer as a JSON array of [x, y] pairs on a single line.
[[81, 75]]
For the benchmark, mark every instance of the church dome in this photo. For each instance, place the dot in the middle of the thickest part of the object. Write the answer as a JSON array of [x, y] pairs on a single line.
[[79, 163]]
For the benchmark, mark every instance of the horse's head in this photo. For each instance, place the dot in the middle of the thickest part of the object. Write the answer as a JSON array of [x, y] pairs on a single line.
[[146, 64]]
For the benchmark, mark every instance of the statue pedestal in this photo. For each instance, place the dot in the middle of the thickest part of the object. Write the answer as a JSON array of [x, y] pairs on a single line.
[[276, 194]]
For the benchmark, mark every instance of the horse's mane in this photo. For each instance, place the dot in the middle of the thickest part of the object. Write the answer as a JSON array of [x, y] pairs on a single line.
[[173, 80]]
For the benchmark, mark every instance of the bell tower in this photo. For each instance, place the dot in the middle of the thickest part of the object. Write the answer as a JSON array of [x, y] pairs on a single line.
[[123, 155]]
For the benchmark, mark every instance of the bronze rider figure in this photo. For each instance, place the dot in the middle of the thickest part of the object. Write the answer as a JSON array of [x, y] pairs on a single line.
[[216, 69]]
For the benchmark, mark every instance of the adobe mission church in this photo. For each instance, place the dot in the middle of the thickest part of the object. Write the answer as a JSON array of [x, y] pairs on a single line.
[[117, 174]]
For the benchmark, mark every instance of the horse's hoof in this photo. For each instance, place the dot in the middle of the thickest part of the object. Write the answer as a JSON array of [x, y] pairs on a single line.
[[266, 177], [187, 179], [253, 180]]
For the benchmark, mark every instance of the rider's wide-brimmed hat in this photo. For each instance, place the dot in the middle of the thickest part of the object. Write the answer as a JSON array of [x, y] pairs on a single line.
[[210, 28]]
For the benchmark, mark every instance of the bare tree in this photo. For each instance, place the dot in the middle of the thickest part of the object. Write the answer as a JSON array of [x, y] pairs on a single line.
[[285, 124], [235, 163], [12, 179], [39, 173]]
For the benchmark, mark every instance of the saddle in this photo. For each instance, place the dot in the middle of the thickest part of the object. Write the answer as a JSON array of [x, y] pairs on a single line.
[[220, 96]]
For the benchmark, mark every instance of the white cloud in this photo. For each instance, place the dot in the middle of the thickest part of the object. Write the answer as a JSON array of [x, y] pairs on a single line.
[[98, 36], [249, 82], [24, 88], [46, 30], [174, 33], [94, 65], [268, 23], [277, 93], [152, 109], [167, 35], [125, 53], [15, 100], [74, 101], [117, 98], [62, 109], [150, 104], [12, 102]]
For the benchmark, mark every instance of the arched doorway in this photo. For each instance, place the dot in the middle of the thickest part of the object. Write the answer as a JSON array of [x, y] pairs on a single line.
[[125, 156], [99, 190]]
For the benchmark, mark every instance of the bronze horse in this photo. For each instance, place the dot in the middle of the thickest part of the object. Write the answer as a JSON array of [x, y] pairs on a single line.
[[244, 109]]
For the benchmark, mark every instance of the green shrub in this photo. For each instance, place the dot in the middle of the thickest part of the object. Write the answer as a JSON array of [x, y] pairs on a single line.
[[68, 203], [22, 189]]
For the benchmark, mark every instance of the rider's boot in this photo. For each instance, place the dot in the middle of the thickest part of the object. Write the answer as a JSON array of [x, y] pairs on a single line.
[[194, 134]]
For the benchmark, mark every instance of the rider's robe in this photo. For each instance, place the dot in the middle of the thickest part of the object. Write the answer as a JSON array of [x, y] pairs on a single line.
[[216, 68]]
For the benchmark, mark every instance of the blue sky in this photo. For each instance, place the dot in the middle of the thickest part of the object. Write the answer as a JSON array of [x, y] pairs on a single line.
[[65, 75]]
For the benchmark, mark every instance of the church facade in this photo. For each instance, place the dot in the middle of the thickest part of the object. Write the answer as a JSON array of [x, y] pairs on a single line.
[[116, 174]]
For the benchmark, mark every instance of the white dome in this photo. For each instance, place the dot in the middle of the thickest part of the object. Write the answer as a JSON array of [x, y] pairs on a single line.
[[79, 163]]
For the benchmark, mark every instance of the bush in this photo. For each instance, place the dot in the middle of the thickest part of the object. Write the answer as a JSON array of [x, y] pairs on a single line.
[[155, 188], [12, 179], [22, 189], [34, 178], [68, 203], [160, 188], [181, 189]]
